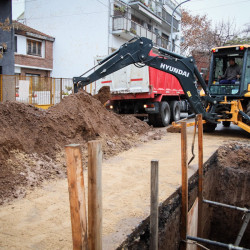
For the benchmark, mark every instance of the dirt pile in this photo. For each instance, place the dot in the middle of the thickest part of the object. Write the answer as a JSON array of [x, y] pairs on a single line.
[[103, 94], [234, 155], [77, 118], [32, 140]]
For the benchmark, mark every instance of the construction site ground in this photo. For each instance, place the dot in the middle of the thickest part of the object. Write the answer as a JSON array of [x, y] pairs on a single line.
[[34, 199], [41, 220]]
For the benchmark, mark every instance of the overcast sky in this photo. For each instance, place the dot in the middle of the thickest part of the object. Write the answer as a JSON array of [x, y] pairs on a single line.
[[216, 10]]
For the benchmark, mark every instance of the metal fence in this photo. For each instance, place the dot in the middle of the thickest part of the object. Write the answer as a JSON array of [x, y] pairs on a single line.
[[42, 92]]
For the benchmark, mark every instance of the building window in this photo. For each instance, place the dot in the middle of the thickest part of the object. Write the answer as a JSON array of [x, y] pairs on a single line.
[[15, 43], [137, 20], [165, 40], [34, 48]]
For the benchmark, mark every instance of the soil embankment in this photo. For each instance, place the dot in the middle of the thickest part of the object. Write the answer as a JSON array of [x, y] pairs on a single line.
[[32, 140]]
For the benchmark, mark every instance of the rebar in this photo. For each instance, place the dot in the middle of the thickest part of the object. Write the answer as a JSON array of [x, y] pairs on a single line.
[[245, 210], [216, 243]]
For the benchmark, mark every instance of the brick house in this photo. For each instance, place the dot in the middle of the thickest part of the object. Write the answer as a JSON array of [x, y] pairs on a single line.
[[33, 51]]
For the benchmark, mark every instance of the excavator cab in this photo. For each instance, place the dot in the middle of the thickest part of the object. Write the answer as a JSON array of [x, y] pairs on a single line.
[[220, 62], [233, 96]]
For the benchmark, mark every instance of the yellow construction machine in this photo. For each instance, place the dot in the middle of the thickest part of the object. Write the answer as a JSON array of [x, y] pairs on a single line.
[[233, 92], [229, 85]]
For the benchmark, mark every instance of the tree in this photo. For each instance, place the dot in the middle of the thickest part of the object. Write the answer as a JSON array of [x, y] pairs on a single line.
[[199, 35], [225, 32], [242, 38], [197, 32]]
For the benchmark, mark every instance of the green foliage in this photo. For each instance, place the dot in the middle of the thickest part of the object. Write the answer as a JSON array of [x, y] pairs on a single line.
[[68, 88], [133, 31], [121, 9]]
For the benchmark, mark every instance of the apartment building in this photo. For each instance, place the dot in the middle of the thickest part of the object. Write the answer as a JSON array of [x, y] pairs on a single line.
[[151, 19], [87, 30]]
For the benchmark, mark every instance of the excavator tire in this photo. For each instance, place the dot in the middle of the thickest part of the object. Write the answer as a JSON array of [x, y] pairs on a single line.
[[226, 124], [209, 127], [162, 119], [175, 111]]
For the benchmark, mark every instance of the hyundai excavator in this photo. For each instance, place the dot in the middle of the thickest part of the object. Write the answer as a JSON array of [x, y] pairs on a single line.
[[216, 102]]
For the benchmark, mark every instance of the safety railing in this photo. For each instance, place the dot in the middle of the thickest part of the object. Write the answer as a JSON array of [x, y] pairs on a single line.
[[40, 91], [121, 23]]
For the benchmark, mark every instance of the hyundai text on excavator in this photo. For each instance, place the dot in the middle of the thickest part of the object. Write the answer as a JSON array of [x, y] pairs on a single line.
[[217, 102]]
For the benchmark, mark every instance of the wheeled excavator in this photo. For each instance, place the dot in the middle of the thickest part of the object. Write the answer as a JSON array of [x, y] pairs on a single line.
[[216, 102]]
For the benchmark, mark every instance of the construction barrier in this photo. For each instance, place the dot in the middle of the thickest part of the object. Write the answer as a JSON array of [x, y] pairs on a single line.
[[43, 92]]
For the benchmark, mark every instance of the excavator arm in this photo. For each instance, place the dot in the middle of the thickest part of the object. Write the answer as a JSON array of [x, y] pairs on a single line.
[[136, 51]]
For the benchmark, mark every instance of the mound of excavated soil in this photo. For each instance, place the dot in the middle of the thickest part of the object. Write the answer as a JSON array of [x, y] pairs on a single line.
[[77, 118], [103, 94], [41, 135], [234, 155]]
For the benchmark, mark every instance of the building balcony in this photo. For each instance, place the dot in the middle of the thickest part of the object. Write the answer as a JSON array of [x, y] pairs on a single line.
[[155, 10], [127, 29]]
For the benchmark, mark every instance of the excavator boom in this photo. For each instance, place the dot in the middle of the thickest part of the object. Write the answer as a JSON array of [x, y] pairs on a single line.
[[136, 52]]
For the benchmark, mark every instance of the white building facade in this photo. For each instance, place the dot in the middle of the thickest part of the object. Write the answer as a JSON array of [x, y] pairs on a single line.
[[86, 30]]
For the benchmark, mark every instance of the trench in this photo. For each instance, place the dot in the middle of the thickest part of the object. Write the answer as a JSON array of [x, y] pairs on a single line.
[[226, 180]]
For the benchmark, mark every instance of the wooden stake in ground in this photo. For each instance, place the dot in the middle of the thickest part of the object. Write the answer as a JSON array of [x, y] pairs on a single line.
[[184, 187], [76, 196], [94, 195], [200, 198], [154, 205]]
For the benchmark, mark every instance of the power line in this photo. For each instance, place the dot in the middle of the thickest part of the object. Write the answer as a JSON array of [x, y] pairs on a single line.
[[102, 3], [228, 4]]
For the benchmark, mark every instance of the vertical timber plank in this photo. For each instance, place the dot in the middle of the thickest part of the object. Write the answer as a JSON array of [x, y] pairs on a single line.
[[76, 196], [60, 89], [200, 188], [184, 187], [154, 205], [94, 195]]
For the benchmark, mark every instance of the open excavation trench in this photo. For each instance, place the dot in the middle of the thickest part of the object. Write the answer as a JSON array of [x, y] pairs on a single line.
[[226, 180]]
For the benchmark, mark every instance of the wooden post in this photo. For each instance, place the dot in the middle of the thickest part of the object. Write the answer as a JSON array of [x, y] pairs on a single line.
[[1, 87], [154, 205], [94, 195], [200, 198], [184, 187], [30, 90], [76, 196], [51, 90], [60, 89]]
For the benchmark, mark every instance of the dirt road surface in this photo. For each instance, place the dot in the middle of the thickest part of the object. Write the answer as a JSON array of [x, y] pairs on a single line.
[[41, 220]]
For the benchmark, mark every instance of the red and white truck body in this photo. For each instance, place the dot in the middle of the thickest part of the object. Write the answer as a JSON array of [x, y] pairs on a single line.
[[143, 91]]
